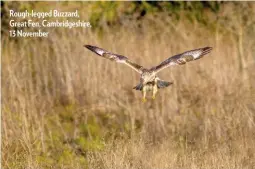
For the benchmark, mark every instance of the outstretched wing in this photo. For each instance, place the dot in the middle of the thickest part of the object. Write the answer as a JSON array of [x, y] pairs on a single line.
[[182, 58], [115, 57]]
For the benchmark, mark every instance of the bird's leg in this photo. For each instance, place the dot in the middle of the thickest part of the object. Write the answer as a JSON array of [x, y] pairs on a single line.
[[144, 94], [155, 90]]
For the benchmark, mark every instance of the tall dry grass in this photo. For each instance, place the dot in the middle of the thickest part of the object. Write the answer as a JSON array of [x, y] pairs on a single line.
[[64, 107]]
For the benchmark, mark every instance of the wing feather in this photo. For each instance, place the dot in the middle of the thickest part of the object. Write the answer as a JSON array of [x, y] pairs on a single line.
[[115, 57], [182, 58]]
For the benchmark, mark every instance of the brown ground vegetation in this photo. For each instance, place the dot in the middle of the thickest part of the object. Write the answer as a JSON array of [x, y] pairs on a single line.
[[64, 107]]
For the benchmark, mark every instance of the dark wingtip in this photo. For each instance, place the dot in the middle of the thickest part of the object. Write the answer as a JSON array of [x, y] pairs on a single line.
[[206, 50], [88, 46], [92, 48]]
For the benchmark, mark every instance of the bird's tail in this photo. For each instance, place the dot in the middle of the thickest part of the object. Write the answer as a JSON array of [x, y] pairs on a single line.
[[163, 84]]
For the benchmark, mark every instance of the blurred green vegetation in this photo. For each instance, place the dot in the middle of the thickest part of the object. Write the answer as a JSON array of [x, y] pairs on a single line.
[[115, 13], [103, 14], [70, 133]]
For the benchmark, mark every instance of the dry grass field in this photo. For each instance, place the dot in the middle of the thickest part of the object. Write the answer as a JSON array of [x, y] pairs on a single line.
[[64, 107]]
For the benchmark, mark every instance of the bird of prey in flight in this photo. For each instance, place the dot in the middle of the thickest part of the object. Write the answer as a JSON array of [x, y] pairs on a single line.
[[149, 81]]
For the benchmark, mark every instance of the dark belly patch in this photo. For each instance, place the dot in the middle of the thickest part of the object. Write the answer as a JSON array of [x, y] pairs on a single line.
[[151, 83]]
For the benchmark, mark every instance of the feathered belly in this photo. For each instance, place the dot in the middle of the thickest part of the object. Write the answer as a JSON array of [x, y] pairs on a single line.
[[149, 86]]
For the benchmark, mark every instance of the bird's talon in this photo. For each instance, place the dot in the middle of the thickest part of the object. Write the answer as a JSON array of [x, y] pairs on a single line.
[[153, 97], [144, 100]]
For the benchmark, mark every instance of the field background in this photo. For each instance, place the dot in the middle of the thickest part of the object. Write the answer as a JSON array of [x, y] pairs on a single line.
[[64, 107]]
